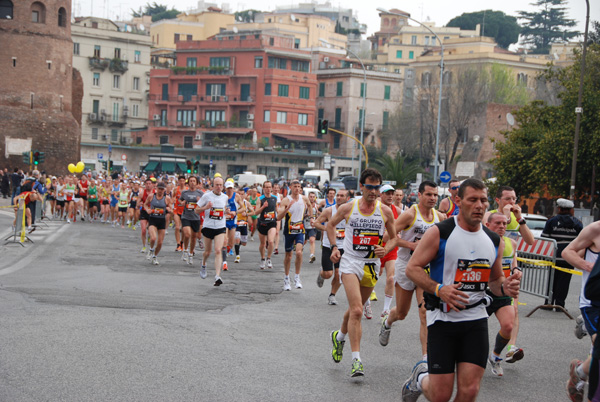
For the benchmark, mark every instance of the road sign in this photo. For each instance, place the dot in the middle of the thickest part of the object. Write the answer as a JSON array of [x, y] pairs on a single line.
[[211, 164], [109, 148], [100, 156], [390, 182], [445, 177], [123, 157]]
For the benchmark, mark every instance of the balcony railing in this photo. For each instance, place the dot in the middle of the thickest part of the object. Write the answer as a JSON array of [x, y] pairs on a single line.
[[98, 63]]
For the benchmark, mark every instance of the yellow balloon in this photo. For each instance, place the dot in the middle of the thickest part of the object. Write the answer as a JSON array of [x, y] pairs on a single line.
[[80, 166], [217, 175], [71, 168]]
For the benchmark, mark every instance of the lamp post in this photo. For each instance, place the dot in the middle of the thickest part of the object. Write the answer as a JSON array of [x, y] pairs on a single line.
[[437, 133], [364, 111]]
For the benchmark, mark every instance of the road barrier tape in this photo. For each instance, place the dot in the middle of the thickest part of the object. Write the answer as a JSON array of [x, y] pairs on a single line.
[[541, 263], [10, 206]]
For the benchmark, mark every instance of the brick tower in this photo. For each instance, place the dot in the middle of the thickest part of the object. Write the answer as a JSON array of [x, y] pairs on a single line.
[[37, 102]]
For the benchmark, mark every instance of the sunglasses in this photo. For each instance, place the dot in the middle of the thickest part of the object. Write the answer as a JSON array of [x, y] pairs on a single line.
[[454, 188], [372, 186]]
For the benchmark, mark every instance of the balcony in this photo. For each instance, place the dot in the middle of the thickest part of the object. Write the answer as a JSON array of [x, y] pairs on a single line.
[[97, 63], [118, 66], [119, 121], [367, 129], [213, 70], [96, 118]]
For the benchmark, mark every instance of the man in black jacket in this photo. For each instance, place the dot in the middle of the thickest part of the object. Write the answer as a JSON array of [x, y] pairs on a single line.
[[563, 228]]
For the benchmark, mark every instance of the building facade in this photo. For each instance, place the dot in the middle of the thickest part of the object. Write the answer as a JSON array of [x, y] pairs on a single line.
[[39, 91]]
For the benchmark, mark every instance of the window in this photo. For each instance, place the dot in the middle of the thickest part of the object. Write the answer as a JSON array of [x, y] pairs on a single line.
[[136, 83], [282, 117], [163, 117], [117, 53], [361, 113], [271, 41], [94, 133], [137, 56], [115, 113], [186, 117], [62, 17], [321, 89], [213, 116], [258, 62], [363, 90], [191, 62], [447, 77], [6, 10], [216, 90], [95, 106], [97, 51], [410, 74], [304, 93], [114, 135], [426, 79], [298, 65], [38, 13], [188, 141], [426, 40], [267, 116], [76, 48], [164, 139], [96, 80], [320, 113], [116, 81], [339, 88], [413, 40], [336, 140], [165, 92], [176, 38], [386, 120], [189, 38], [522, 79], [268, 89], [303, 119], [277, 62], [187, 91], [398, 54], [296, 43], [338, 118], [411, 55], [284, 90], [135, 110], [222, 65], [386, 92]]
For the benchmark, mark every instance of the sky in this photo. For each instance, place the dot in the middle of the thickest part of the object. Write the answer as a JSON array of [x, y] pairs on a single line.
[[439, 11]]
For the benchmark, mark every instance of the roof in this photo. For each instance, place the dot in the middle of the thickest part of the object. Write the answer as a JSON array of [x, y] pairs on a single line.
[[300, 138]]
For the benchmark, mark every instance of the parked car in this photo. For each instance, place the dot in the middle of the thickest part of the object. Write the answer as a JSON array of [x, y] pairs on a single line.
[[337, 185], [535, 223], [351, 182]]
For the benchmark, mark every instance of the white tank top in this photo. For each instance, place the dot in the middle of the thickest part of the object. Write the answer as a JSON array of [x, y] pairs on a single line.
[[214, 217], [415, 231], [340, 230], [363, 233], [590, 256], [294, 220]]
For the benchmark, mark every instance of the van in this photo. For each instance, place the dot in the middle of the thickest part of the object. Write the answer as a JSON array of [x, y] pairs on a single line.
[[317, 177], [248, 179], [318, 195]]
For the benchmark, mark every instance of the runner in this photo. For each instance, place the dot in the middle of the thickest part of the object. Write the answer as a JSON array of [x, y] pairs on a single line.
[[328, 268], [83, 185], [133, 215], [398, 198], [447, 205], [387, 196], [60, 199], [92, 196], [190, 220], [366, 222], [292, 209], [266, 209], [144, 216], [412, 225], [506, 198], [114, 201], [241, 234], [309, 219], [178, 211], [104, 201], [157, 206], [214, 205], [277, 193], [583, 253], [465, 257], [502, 306], [234, 202], [330, 199], [252, 198], [70, 189], [123, 204]]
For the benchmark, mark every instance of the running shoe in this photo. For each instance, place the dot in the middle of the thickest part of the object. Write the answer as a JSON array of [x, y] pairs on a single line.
[[276, 252], [286, 284], [410, 389], [200, 244], [575, 385], [269, 263], [262, 264], [143, 250], [357, 369], [68, 221], [495, 365], [134, 227], [225, 268], [312, 258], [154, 260], [218, 281], [385, 313], [185, 256], [580, 330], [373, 296], [203, 272], [368, 312], [251, 238], [320, 280], [338, 347], [237, 259], [179, 248], [331, 300], [190, 260], [149, 254], [297, 282], [514, 354], [384, 332]]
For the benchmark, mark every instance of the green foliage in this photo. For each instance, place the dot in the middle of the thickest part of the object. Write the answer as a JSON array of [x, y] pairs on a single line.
[[538, 153], [503, 87], [246, 15], [157, 11], [547, 26], [594, 33], [503, 28], [399, 168]]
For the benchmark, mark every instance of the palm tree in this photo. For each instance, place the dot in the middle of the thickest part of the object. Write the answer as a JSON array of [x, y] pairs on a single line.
[[399, 168]]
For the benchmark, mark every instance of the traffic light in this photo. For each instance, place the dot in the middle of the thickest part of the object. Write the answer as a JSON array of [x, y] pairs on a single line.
[[36, 157], [189, 166], [324, 126], [197, 167], [110, 165], [103, 165], [41, 157], [27, 157]]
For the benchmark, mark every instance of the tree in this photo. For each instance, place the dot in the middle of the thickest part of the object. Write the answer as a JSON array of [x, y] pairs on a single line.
[[503, 88], [503, 28], [537, 154], [594, 33], [157, 11], [547, 26], [399, 168], [246, 15]]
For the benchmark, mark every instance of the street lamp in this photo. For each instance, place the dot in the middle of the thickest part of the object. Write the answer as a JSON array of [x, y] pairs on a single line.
[[437, 134], [364, 111]]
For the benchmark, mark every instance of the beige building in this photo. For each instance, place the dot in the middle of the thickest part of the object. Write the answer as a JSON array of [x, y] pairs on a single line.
[[115, 69], [307, 30]]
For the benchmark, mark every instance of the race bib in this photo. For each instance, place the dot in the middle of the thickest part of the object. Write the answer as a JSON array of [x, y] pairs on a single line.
[[296, 227], [365, 240], [241, 222], [92, 196], [269, 216], [157, 212], [69, 197], [340, 233], [191, 205], [216, 213], [473, 274], [506, 264], [231, 215]]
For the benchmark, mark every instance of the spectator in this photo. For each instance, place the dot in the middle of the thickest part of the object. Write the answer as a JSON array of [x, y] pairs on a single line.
[[563, 228], [15, 180], [4, 183]]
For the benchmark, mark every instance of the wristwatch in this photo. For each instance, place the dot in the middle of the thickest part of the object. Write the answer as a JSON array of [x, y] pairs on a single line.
[[522, 221]]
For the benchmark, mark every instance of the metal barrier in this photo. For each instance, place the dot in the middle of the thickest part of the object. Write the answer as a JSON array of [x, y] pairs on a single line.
[[538, 262], [40, 213], [19, 234]]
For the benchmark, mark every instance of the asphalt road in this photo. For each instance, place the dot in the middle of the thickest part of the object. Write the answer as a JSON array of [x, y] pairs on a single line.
[[85, 317]]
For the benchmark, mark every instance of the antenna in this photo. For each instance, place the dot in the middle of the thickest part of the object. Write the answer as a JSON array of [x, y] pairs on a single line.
[[292, 17], [142, 28], [235, 30], [239, 18], [510, 119], [556, 56]]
